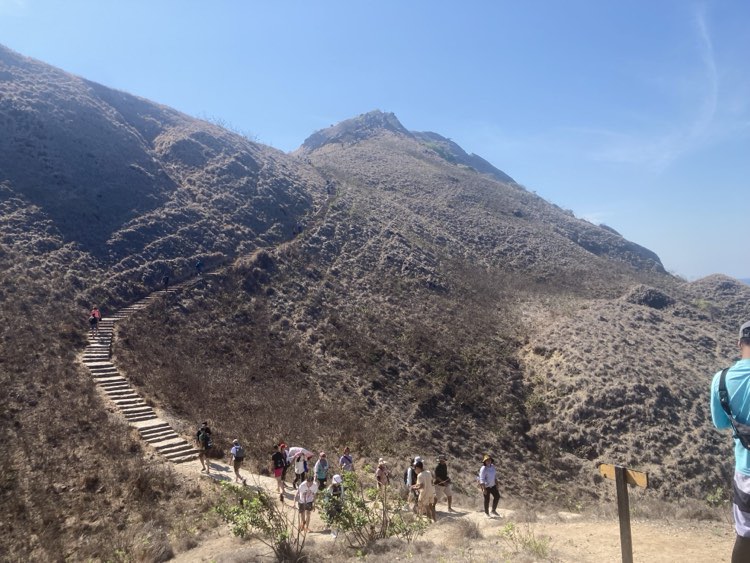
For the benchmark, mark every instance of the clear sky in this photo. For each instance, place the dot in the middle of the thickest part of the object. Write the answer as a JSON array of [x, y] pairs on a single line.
[[631, 113]]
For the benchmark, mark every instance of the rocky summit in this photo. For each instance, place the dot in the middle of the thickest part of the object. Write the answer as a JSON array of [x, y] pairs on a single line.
[[378, 287]]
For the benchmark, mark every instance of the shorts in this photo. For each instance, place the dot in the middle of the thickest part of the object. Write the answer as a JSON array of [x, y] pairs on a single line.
[[304, 506], [238, 463], [277, 471], [441, 490], [741, 504]]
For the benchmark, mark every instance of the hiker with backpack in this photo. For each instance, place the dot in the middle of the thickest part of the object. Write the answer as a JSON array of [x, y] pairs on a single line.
[[730, 407], [425, 505], [334, 502], [300, 469], [238, 456], [488, 483], [321, 470], [203, 436], [278, 460], [346, 462], [410, 479]]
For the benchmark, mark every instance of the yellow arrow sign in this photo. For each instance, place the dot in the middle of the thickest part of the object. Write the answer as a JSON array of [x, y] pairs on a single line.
[[637, 478]]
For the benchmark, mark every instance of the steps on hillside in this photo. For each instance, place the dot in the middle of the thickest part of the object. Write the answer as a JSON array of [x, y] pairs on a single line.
[[97, 358]]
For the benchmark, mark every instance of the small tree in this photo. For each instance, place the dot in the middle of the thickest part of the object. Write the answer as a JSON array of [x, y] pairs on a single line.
[[250, 510], [366, 515]]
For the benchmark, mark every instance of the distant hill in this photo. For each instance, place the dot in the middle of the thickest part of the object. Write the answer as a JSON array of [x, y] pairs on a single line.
[[379, 288], [745, 280]]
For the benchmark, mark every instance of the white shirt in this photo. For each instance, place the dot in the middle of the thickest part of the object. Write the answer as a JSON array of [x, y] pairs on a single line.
[[306, 491], [487, 476]]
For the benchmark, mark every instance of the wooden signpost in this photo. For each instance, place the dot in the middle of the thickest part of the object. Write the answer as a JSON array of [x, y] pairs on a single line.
[[623, 477]]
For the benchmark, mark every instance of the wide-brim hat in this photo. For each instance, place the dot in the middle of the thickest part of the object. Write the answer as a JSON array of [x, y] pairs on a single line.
[[486, 457]]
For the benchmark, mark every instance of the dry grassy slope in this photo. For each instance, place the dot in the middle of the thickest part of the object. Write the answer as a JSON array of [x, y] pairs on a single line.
[[101, 193], [138, 186], [396, 306]]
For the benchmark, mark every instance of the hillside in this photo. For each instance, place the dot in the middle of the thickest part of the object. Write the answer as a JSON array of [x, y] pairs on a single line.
[[379, 288]]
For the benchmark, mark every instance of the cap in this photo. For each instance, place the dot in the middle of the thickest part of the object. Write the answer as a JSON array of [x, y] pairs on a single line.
[[417, 459], [337, 479], [235, 441], [745, 330]]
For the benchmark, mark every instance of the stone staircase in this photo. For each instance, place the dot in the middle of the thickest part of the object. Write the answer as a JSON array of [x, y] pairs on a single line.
[[97, 357]]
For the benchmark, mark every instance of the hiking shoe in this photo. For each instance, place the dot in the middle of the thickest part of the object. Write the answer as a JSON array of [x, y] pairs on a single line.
[[494, 513], [486, 515]]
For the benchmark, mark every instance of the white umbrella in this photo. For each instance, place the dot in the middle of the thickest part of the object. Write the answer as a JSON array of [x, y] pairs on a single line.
[[294, 450]]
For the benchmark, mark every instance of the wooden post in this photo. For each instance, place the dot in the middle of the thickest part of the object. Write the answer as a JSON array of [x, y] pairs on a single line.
[[623, 512], [623, 477]]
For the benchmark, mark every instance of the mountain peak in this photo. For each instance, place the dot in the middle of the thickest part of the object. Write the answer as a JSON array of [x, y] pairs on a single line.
[[356, 129]]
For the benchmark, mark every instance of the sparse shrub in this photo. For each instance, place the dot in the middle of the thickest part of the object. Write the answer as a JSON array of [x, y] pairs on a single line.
[[717, 498], [255, 510], [524, 541]]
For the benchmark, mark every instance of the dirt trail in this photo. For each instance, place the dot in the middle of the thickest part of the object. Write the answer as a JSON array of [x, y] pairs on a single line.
[[570, 537]]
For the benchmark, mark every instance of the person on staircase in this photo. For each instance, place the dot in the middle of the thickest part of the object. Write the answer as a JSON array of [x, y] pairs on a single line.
[[203, 437], [94, 319], [238, 456]]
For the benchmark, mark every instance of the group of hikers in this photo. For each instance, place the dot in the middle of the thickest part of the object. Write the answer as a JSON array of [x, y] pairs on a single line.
[[421, 488]]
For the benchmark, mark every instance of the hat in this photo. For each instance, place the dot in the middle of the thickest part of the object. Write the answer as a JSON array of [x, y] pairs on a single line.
[[337, 479], [419, 464], [417, 459], [235, 441], [441, 457], [745, 330], [381, 461], [486, 457]]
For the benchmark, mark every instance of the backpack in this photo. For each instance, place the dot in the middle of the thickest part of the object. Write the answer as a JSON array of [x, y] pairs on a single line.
[[204, 438], [740, 431], [407, 481], [239, 452]]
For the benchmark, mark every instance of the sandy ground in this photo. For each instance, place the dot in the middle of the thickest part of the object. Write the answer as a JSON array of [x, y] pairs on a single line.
[[570, 537]]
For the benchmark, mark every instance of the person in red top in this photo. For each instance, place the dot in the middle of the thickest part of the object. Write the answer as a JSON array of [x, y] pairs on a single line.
[[94, 319]]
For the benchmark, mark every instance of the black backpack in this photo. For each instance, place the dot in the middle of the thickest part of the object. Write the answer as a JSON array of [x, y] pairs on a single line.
[[204, 438], [741, 431]]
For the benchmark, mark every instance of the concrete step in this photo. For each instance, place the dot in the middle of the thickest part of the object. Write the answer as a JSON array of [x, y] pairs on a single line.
[[153, 428], [164, 436], [128, 401], [136, 409], [184, 459], [176, 447], [187, 450], [141, 418], [113, 381], [122, 393]]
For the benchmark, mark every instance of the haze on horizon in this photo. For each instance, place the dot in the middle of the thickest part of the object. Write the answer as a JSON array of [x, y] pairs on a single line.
[[636, 116]]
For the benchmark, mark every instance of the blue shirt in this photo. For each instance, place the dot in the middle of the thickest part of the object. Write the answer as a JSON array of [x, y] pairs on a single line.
[[487, 476], [738, 387]]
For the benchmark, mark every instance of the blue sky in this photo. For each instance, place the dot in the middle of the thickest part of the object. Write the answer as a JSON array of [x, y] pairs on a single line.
[[635, 114]]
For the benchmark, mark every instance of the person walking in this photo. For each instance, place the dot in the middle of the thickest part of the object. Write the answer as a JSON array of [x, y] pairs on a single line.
[[203, 437], [382, 475], [410, 479], [730, 407], [488, 482], [346, 462], [305, 497], [443, 482], [278, 460], [425, 503], [165, 282], [238, 456], [94, 319], [287, 462], [334, 503], [199, 267], [300, 469], [321, 470]]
